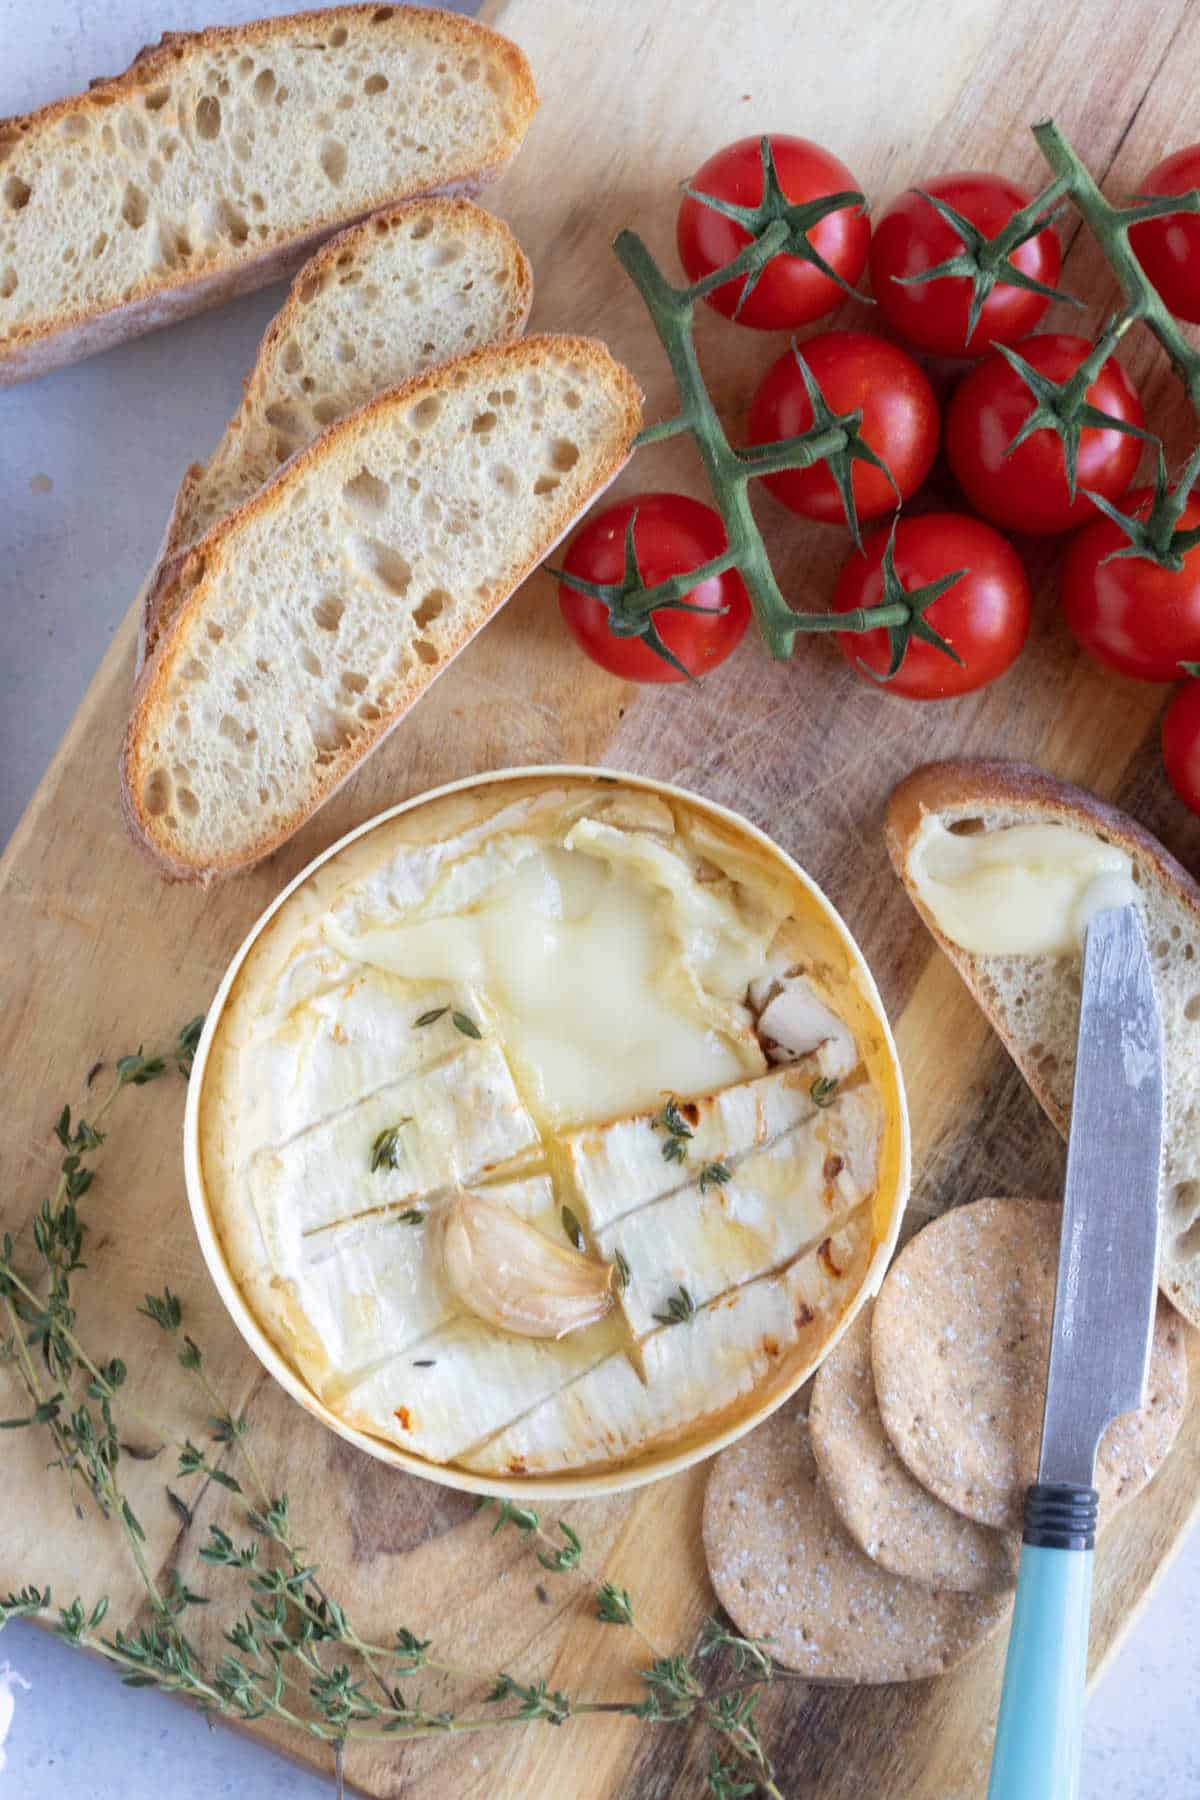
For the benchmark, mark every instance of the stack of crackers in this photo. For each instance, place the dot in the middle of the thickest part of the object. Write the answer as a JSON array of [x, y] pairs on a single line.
[[874, 1536]]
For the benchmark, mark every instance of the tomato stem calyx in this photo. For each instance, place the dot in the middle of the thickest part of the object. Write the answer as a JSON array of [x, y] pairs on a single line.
[[777, 226], [1063, 406], [1154, 537], [631, 605], [985, 261], [902, 615]]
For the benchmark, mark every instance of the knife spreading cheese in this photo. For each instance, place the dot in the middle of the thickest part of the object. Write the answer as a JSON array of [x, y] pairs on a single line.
[[549, 1124]]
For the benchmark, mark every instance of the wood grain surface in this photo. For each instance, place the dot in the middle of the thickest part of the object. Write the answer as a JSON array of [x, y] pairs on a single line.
[[99, 956]]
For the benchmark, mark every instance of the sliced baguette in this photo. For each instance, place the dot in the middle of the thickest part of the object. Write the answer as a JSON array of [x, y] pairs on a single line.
[[320, 611], [221, 158], [415, 285], [1033, 1002]]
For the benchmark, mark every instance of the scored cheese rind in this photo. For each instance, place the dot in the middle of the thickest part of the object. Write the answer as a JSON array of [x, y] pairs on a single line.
[[361, 1293], [477, 1379], [694, 1372], [453, 1120], [781, 1201], [620, 1167], [355, 1036]]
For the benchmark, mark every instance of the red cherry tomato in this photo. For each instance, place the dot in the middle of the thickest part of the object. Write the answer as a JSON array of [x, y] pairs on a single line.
[[673, 535], [1169, 248], [912, 237], [790, 291], [1181, 744], [855, 372], [1027, 490], [984, 616], [1129, 613]]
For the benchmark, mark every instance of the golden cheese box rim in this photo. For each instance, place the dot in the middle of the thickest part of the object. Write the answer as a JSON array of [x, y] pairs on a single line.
[[673, 1457]]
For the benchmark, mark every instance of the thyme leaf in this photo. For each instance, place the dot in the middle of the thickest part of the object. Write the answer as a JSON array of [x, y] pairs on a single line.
[[431, 1017], [463, 1022], [822, 1091], [385, 1151], [714, 1174], [680, 1308], [572, 1227]]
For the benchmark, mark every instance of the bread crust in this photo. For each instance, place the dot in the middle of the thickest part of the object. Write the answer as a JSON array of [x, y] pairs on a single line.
[[170, 295], [960, 788], [444, 212], [203, 565]]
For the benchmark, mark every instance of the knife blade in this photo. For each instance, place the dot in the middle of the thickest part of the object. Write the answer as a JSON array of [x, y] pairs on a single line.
[[1105, 1298], [1104, 1307]]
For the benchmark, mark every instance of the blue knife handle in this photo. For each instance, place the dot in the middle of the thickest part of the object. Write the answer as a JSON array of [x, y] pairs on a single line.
[[1039, 1733]]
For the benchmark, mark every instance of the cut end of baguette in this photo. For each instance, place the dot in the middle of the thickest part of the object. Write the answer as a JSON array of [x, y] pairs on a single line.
[[414, 285], [221, 157], [315, 616], [1032, 1002]]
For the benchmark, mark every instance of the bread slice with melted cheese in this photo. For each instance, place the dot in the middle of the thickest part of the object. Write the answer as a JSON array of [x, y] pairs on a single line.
[[1033, 1001]]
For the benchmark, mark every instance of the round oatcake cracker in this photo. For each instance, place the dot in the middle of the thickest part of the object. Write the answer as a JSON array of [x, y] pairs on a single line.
[[785, 1571], [959, 1348], [899, 1524]]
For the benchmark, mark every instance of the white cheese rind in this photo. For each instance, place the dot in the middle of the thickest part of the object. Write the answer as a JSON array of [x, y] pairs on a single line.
[[369, 1289], [620, 1167], [479, 1380], [779, 1202], [462, 1115]]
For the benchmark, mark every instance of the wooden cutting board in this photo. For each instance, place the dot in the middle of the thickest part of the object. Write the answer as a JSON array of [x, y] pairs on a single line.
[[99, 956]]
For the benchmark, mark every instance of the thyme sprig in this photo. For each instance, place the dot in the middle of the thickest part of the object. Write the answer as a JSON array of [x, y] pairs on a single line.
[[290, 1651]]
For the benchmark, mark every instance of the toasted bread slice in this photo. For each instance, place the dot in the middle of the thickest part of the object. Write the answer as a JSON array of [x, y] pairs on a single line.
[[319, 612], [220, 159], [414, 285], [1033, 1001]]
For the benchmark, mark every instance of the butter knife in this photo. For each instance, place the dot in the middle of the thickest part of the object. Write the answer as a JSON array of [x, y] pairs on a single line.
[[1099, 1353]]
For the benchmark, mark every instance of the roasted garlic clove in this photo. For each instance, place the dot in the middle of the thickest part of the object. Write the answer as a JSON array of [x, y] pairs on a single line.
[[509, 1273]]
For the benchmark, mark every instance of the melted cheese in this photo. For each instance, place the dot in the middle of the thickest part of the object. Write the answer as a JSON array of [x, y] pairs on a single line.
[[572, 956], [1022, 890]]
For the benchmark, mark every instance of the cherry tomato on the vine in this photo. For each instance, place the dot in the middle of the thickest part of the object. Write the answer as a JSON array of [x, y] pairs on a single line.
[[1169, 248], [673, 534], [1181, 744], [1027, 489], [790, 291], [1130, 613], [984, 616], [912, 236], [855, 372]]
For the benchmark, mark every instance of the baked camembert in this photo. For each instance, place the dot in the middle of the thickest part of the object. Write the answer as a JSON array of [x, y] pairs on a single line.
[[549, 1124]]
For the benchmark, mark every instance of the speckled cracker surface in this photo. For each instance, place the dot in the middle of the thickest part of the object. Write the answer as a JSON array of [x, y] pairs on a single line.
[[900, 1525], [959, 1347], [785, 1570]]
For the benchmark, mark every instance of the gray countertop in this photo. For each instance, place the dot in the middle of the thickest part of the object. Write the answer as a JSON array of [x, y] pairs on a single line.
[[89, 460]]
